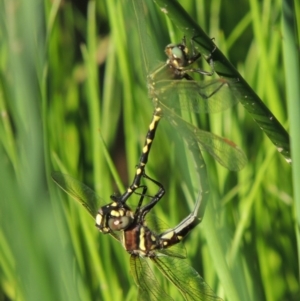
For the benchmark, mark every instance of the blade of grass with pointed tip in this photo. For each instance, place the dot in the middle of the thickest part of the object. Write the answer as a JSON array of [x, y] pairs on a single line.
[[291, 60]]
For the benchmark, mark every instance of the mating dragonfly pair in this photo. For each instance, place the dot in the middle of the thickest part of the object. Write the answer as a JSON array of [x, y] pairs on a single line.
[[129, 226]]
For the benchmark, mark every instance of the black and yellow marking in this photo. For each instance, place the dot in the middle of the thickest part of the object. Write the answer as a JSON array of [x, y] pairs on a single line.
[[143, 159], [137, 238]]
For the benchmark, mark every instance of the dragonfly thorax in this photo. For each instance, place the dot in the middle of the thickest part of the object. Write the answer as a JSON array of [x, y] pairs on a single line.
[[140, 240]]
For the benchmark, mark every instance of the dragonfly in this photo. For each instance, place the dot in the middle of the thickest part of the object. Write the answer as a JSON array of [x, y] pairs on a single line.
[[131, 228], [172, 87], [143, 240]]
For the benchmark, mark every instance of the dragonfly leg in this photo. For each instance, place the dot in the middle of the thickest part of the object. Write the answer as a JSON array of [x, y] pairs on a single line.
[[193, 58], [176, 234], [155, 199], [180, 60], [143, 194], [222, 83]]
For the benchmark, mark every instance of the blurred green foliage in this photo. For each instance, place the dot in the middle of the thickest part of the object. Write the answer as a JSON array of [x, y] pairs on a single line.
[[70, 73]]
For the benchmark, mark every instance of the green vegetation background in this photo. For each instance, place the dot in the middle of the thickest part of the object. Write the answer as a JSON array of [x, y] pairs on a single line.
[[71, 78]]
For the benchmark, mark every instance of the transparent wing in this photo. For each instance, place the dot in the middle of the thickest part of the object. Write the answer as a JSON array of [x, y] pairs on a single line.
[[185, 278], [201, 97], [227, 153], [82, 194], [177, 251], [78, 191], [149, 288], [145, 16]]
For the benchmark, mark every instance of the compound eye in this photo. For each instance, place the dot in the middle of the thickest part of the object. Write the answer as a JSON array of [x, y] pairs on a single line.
[[177, 52], [119, 223]]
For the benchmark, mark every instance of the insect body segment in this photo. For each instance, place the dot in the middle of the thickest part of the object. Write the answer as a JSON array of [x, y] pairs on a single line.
[[143, 159]]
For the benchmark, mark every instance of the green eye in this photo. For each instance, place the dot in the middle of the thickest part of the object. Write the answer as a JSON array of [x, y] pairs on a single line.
[[177, 52], [119, 223]]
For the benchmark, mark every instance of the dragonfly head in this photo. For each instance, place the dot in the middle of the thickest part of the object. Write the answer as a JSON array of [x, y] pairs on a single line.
[[114, 217], [177, 55]]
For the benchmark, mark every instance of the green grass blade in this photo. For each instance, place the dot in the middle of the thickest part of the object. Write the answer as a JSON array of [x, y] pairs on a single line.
[[292, 61]]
